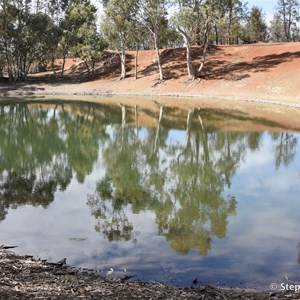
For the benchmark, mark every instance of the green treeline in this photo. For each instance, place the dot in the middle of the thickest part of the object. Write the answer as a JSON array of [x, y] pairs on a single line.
[[34, 33]]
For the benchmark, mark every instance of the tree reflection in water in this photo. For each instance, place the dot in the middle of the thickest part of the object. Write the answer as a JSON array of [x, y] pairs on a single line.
[[183, 182], [284, 148], [42, 148]]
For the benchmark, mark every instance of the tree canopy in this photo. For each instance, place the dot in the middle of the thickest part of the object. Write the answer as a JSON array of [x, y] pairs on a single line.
[[33, 33]]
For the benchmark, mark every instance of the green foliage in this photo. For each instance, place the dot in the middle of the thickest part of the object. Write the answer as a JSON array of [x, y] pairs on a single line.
[[87, 42], [33, 32], [276, 29], [184, 191], [186, 21], [154, 18], [42, 149], [256, 27], [120, 27], [24, 37], [284, 26], [227, 17], [119, 23], [78, 29]]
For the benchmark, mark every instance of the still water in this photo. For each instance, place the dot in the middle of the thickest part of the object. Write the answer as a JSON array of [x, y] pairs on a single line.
[[169, 195]]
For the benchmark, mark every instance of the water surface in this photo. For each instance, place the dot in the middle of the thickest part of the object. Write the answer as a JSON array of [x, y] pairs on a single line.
[[169, 195]]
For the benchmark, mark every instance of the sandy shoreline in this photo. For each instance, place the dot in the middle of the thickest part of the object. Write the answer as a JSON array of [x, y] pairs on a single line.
[[84, 90], [284, 111]]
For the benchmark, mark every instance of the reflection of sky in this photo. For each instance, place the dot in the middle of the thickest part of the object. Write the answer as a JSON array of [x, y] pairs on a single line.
[[260, 246]]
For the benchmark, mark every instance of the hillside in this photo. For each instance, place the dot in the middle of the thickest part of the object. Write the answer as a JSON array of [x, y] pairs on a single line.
[[260, 71], [253, 72]]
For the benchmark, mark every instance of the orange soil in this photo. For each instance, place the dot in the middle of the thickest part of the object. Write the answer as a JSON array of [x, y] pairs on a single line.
[[265, 75], [256, 71]]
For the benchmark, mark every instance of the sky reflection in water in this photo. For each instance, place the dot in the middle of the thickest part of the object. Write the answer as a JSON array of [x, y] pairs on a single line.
[[172, 202]]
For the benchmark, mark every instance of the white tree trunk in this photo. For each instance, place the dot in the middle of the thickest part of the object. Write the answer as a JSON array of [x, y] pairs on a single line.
[[136, 63], [161, 111], [122, 56], [123, 64], [189, 63], [187, 40], [203, 59], [188, 127], [161, 75]]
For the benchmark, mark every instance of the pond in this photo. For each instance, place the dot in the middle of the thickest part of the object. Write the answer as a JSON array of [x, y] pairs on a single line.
[[169, 195]]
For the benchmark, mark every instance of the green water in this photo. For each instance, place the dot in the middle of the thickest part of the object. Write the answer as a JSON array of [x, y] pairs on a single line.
[[172, 199]]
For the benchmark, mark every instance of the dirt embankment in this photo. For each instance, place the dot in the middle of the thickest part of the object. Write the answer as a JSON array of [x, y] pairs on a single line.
[[257, 72]]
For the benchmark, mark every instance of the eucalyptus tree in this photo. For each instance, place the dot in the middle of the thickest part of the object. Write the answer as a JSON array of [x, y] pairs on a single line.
[[276, 29], [118, 26], [186, 22], [256, 27], [56, 9], [207, 13], [227, 16], [289, 13], [194, 20], [2, 63], [80, 17], [41, 41], [153, 14], [235, 13], [24, 36], [90, 47], [7, 18]]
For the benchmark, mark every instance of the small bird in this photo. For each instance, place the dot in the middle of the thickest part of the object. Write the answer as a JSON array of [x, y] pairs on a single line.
[[62, 261], [111, 270], [126, 276], [194, 283]]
